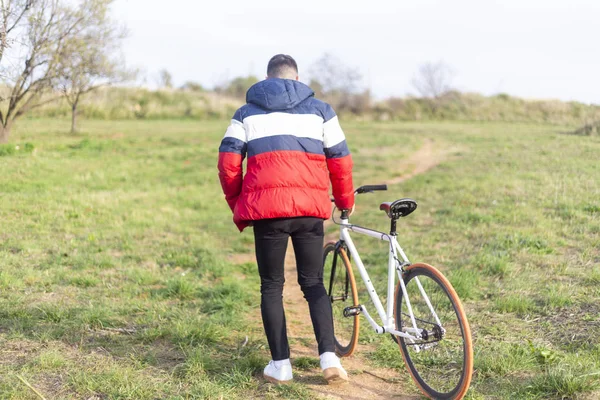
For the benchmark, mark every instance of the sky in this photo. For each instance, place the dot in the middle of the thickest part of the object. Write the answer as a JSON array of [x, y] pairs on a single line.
[[529, 48]]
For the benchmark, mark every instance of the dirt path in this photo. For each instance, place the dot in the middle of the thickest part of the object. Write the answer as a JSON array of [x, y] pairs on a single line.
[[366, 382], [421, 161]]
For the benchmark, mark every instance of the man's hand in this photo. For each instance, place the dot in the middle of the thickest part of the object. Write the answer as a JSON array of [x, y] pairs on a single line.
[[351, 211]]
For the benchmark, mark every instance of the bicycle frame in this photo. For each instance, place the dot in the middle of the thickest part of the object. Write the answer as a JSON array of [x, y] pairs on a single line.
[[386, 315]]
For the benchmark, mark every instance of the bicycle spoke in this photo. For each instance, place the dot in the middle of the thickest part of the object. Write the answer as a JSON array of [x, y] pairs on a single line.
[[438, 359]]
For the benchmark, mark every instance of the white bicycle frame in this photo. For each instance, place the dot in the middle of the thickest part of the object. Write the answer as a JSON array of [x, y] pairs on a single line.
[[386, 315]]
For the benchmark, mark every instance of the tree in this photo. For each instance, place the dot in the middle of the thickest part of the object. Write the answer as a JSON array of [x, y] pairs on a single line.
[[89, 60], [339, 84], [433, 79], [12, 14], [33, 33], [239, 86], [331, 76], [316, 86], [165, 79]]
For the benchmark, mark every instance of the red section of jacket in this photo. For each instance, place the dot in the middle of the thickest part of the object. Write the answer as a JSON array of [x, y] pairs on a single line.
[[282, 184], [231, 177], [340, 173]]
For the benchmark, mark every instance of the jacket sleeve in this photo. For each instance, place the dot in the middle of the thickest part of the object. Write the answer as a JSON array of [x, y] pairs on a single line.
[[339, 161], [231, 154]]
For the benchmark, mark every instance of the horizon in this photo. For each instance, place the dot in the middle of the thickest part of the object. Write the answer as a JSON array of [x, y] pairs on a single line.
[[377, 99]]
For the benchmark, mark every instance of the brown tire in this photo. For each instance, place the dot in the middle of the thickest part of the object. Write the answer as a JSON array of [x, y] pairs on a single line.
[[443, 369], [341, 290]]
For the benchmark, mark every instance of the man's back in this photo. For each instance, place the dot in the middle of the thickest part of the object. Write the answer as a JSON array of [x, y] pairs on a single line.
[[294, 143]]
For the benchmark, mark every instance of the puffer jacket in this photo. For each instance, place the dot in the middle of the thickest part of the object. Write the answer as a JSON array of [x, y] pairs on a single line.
[[295, 148]]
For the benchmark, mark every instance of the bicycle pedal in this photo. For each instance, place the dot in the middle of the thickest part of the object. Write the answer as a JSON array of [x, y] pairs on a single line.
[[352, 311], [428, 346]]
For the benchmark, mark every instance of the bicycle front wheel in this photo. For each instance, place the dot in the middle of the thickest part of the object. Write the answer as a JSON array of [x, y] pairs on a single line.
[[441, 362], [341, 288]]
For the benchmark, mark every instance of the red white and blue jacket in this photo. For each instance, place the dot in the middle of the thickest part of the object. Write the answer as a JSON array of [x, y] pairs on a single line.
[[295, 148]]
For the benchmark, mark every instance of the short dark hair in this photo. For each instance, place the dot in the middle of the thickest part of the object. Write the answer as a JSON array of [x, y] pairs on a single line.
[[278, 64]]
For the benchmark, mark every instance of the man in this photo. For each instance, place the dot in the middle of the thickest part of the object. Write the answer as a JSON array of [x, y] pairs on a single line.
[[295, 147]]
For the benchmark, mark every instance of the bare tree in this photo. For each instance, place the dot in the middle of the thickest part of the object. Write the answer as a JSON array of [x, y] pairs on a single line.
[[339, 84], [89, 60], [316, 86], [165, 79], [12, 15], [35, 33], [332, 76], [433, 79]]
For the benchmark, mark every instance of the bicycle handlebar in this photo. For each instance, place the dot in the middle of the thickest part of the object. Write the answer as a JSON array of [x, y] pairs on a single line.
[[370, 188], [366, 189], [360, 190]]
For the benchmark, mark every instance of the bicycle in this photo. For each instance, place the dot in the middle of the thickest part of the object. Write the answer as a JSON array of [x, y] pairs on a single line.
[[426, 318]]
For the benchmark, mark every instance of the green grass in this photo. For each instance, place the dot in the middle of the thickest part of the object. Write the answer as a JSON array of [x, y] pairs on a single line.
[[306, 363], [117, 279]]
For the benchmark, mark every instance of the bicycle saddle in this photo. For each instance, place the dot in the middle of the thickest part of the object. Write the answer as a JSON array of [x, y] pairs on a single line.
[[399, 208]]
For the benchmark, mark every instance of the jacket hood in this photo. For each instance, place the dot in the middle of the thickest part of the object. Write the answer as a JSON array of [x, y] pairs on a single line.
[[278, 94]]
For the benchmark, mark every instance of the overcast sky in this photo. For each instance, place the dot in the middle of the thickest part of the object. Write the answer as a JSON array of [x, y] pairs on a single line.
[[529, 48]]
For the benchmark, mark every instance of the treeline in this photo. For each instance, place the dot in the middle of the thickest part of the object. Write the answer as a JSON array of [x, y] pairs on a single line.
[[114, 103], [199, 104]]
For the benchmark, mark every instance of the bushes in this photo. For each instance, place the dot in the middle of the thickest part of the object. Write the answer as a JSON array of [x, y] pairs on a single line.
[[475, 107], [13, 149], [590, 129], [137, 103]]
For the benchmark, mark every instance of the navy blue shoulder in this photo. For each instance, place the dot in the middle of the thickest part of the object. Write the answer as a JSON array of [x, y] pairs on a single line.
[[318, 107], [239, 114], [249, 110], [308, 106]]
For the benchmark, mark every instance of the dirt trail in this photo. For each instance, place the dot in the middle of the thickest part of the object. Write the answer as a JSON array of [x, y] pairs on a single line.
[[421, 161], [366, 382]]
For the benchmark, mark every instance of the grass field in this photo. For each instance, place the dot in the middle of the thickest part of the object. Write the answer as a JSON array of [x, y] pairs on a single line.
[[118, 274]]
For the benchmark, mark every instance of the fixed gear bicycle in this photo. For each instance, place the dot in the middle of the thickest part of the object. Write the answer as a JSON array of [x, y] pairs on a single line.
[[423, 313]]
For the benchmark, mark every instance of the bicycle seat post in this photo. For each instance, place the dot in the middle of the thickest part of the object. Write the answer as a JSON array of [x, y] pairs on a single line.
[[393, 227], [397, 209]]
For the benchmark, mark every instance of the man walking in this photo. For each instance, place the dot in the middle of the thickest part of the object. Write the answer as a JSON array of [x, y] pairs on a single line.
[[295, 148]]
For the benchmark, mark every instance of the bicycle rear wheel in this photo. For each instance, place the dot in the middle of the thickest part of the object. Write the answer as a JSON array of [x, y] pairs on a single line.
[[441, 362], [341, 288]]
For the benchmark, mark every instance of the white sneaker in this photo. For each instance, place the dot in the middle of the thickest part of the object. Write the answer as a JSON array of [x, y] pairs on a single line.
[[333, 372], [279, 372]]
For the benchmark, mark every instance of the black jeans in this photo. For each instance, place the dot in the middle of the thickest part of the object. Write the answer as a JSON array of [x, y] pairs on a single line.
[[271, 241]]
